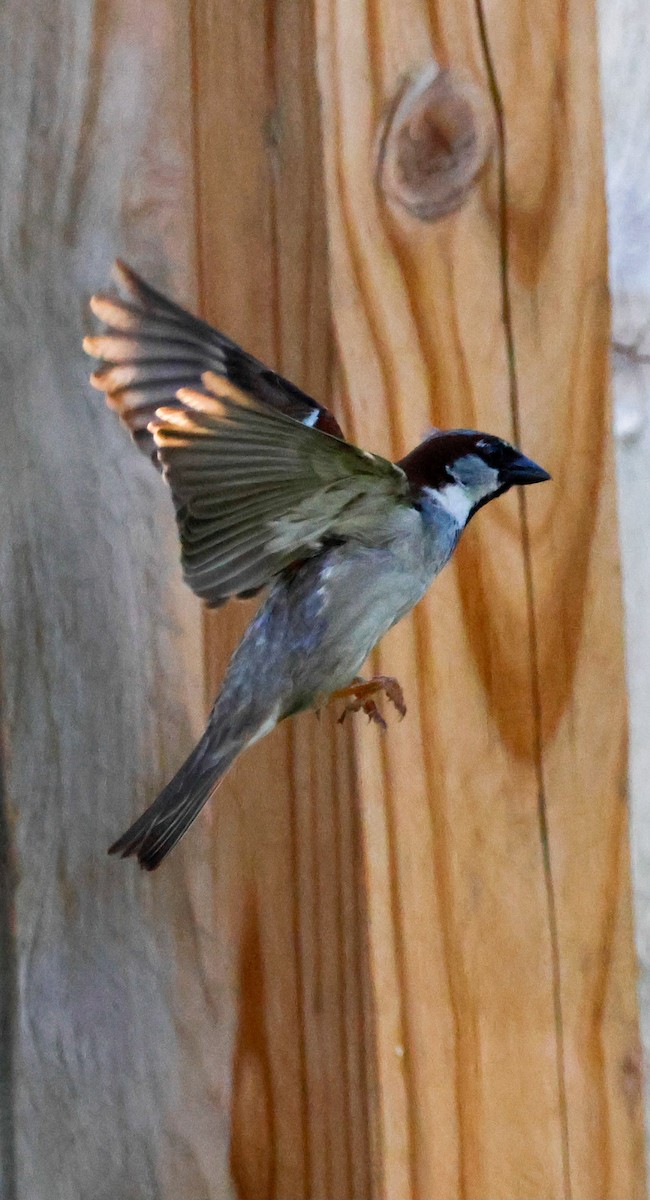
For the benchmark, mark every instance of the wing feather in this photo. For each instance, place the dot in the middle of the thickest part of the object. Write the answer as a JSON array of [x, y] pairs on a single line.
[[256, 491], [152, 347]]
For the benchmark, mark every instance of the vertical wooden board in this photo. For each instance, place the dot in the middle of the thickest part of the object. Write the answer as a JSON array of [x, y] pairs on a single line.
[[101, 645], [299, 1105], [577, 604], [515, 998]]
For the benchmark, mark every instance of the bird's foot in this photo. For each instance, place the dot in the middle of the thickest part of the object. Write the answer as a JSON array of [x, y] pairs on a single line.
[[360, 694]]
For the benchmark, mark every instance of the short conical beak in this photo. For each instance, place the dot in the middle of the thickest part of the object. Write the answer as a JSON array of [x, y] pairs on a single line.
[[524, 470]]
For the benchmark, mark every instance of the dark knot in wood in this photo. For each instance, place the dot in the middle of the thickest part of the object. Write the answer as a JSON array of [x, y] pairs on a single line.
[[435, 140]]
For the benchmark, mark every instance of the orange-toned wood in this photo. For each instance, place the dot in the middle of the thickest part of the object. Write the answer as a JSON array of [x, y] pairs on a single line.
[[464, 1024], [283, 891], [494, 818]]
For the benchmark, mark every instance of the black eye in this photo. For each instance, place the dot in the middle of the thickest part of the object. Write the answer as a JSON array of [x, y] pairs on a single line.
[[497, 455]]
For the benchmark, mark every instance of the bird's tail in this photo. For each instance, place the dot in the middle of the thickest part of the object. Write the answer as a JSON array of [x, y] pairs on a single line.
[[163, 824]]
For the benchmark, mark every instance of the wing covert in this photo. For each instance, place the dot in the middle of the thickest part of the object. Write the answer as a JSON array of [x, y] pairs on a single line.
[[256, 491]]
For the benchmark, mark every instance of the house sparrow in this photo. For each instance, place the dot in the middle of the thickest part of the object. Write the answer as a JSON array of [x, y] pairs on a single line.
[[269, 494]]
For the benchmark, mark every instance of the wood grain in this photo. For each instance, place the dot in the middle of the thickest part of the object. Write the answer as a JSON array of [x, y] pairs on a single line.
[[286, 868], [101, 671], [624, 31], [507, 1051], [368, 971]]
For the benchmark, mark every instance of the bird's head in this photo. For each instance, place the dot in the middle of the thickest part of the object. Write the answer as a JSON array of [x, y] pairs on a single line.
[[463, 469]]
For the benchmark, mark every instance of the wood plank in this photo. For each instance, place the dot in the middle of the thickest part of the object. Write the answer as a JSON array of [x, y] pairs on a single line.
[[285, 878], [494, 817], [101, 643]]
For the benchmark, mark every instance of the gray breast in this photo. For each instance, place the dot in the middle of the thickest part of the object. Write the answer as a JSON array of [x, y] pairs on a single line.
[[344, 601], [319, 622]]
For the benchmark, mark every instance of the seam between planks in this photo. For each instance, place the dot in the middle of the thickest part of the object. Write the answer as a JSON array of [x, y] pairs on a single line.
[[536, 695]]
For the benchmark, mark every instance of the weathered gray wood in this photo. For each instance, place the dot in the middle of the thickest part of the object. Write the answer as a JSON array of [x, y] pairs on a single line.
[[625, 75], [101, 672], [7, 1004]]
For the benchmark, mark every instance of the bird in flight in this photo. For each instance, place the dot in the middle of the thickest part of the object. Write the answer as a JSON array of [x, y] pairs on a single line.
[[269, 495]]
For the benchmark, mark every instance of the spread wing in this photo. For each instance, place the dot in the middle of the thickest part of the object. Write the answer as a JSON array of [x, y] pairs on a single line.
[[151, 348], [256, 491]]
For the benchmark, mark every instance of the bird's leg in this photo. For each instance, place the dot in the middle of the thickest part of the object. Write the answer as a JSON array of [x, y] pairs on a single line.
[[361, 692]]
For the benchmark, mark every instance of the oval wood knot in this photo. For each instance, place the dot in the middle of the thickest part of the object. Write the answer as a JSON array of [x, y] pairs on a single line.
[[435, 139]]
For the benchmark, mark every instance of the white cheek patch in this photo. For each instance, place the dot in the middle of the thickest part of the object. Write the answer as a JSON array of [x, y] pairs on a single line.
[[454, 499]]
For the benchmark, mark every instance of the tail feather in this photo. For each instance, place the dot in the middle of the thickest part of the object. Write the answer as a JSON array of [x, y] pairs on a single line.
[[163, 824]]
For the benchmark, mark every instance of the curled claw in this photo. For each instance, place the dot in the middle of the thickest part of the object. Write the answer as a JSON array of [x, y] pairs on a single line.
[[369, 708], [393, 691], [360, 695]]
